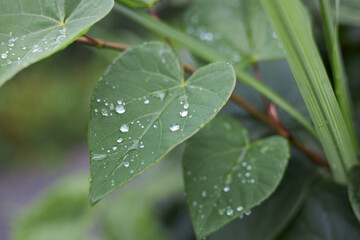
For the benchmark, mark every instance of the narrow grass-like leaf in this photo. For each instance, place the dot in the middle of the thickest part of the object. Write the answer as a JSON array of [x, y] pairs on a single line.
[[342, 92], [225, 175], [139, 3], [288, 18], [247, 40], [142, 108], [354, 190], [33, 30], [210, 55]]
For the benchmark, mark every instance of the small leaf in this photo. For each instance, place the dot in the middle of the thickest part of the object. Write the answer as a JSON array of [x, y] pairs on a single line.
[[274, 214], [143, 108], [326, 215], [225, 175], [237, 29], [139, 3], [33, 30], [354, 190]]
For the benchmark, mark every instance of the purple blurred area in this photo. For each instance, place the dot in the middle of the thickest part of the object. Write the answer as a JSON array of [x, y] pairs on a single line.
[[21, 185]]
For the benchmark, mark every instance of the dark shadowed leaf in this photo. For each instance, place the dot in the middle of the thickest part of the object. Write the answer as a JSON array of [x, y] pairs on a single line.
[[33, 30], [354, 190], [237, 29], [142, 108], [226, 176], [326, 215]]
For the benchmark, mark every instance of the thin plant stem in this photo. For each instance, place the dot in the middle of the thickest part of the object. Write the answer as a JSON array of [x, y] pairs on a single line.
[[101, 44]]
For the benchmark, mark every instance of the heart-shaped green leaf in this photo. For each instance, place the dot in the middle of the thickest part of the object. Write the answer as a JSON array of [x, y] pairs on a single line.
[[143, 108], [139, 3], [326, 215], [354, 190], [238, 29], [225, 175], [33, 30]]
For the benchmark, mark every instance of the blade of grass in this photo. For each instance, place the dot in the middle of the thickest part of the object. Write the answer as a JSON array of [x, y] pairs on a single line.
[[330, 28], [209, 55], [289, 20]]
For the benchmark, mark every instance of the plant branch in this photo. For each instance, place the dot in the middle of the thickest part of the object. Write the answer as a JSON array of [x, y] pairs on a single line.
[[316, 158], [84, 39]]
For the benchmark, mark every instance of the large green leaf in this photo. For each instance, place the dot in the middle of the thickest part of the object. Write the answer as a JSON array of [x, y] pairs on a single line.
[[139, 3], [237, 29], [142, 108], [225, 175], [326, 215], [275, 214], [33, 30], [354, 190]]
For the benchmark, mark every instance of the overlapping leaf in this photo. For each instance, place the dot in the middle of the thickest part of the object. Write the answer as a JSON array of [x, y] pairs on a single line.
[[326, 215], [32, 30], [237, 29], [225, 175], [142, 108]]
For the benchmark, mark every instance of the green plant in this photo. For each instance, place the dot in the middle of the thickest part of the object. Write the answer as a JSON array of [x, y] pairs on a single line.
[[149, 101]]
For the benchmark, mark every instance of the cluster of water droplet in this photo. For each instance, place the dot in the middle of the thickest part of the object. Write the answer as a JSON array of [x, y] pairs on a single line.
[[16, 48], [9, 55]]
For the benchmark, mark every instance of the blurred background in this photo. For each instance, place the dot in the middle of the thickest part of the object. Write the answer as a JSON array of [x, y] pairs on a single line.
[[44, 156]]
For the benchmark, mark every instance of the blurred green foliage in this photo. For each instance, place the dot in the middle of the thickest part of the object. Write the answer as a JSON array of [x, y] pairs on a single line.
[[45, 108], [63, 211]]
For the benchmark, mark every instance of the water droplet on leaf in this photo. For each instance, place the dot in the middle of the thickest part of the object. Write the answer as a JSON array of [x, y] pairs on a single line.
[[174, 127], [124, 128]]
